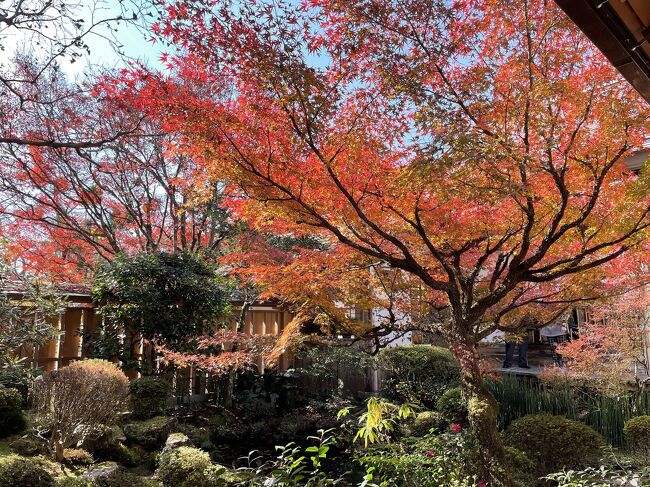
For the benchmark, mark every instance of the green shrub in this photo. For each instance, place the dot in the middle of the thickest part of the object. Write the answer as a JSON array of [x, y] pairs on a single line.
[[521, 466], [452, 405], [19, 378], [12, 421], [119, 478], [518, 460], [637, 433], [433, 461], [70, 481], [602, 475], [427, 421], [293, 426], [554, 442], [188, 467], [256, 409], [417, 373], [229, 433], [148, 396], [150, 433], [129, 456], [518, 397], [10, 398], [23, 471], [122, 478], [103, 441]]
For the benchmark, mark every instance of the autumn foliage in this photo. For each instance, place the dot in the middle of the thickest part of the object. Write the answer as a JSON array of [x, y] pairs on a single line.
[[610, 354], [460, 162], [476, 149]]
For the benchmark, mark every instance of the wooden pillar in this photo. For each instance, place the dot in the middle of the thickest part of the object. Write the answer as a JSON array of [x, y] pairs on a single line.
[[374, 378], [59, 340], [276, 323], [121, 338], [35, 351], [140, 355], [82, 326]]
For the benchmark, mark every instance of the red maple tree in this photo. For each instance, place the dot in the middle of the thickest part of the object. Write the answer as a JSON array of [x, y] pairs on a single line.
[[476, 147]]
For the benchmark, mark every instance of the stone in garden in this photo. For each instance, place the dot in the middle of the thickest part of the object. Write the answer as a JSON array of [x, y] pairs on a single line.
[[27, 445], [174, 440], [101, 471], [102, 439], [151, 433]]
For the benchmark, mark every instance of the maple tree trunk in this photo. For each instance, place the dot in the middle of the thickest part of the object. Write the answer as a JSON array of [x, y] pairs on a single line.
[[482, 414], [59, 451], [230, 390]]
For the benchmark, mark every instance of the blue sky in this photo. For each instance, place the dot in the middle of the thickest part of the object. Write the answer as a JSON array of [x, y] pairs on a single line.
[[135, 42]]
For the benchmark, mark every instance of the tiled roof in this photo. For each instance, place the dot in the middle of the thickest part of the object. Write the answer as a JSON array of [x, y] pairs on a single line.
[[68, 288]]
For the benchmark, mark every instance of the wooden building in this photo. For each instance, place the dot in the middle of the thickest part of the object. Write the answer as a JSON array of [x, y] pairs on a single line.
[[80, 320]]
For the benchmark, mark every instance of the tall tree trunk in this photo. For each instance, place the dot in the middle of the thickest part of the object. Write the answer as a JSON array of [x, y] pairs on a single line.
[[241, 320], [230, 390], [482, 414]]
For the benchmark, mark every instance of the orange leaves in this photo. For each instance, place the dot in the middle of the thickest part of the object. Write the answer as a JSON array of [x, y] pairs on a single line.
[[475, 147], [221, 352], [612, 343]]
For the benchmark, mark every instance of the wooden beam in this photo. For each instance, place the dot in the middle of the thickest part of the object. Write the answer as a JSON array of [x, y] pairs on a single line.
[[598, 20]]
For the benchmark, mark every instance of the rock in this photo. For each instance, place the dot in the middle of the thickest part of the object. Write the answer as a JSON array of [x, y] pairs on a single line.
[[28, 445], [151, 433], [174, 440], [102, 439], [100, 471]]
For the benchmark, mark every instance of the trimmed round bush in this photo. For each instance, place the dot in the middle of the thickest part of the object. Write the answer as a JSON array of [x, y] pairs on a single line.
[[554, 442], [148, 396], [78, 398], [25, 472], [76, 457], [427, 421], [417, 373], [453, 406], [188, 467], [637, 433]]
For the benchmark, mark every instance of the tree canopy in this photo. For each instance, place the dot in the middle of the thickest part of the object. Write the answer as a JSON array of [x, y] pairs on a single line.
[[169, 297], [476, 148]]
